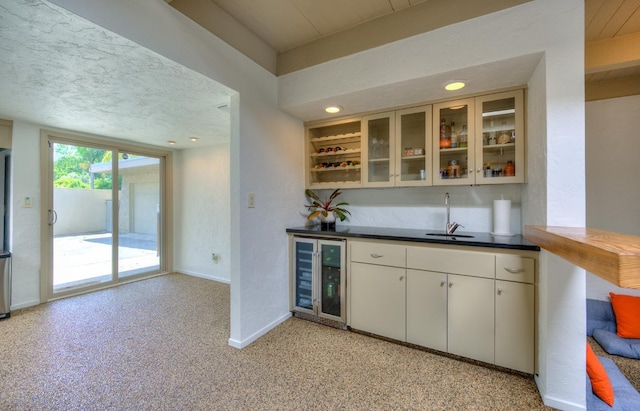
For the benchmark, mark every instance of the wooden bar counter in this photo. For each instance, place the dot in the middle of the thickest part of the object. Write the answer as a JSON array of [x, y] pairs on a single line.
[[612, 256]]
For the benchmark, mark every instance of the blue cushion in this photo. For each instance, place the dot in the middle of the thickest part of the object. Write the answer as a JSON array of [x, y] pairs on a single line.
[[626, 347], [626, 397], [600, 316]]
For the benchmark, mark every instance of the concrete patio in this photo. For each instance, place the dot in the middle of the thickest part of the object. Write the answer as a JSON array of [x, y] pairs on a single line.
[[83, 258]]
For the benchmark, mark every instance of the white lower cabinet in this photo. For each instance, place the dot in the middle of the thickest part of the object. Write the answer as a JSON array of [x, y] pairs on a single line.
[[437, 299], [471, 321], [378, 295], [515, 325], [427, 309]]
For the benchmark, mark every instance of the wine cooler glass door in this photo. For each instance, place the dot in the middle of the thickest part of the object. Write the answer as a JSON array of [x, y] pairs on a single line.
[[331, 278], [304, 252]]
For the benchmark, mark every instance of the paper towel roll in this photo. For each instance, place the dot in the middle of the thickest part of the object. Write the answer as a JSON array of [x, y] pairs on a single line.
[[501, 217]]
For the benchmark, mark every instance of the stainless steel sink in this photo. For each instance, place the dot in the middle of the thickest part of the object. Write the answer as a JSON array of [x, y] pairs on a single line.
[[450, 235]]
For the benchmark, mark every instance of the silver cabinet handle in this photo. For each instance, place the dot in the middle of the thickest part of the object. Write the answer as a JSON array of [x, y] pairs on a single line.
[[499, 291], [401, 278], [376, 255], [442, 283], [450, 284], [514, 270]]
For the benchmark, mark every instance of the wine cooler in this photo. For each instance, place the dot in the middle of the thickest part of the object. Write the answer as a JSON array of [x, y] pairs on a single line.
[[318, 279]]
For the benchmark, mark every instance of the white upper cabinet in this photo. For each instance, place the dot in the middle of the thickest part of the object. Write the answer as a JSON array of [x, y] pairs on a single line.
[[413, 147], [378, 166], [334, 154], [478, 140], [500, 138], [453, 143], [397, 151]]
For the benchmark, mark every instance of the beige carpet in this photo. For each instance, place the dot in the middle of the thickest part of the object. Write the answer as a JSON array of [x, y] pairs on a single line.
[[161, 344]]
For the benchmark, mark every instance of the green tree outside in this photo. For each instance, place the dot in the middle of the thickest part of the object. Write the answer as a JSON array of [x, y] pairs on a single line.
[[72, 163]]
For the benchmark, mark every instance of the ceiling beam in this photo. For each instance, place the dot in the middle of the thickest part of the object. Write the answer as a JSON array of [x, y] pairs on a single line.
[[617, 87], [611, 54], [213, 18], [410, 21]]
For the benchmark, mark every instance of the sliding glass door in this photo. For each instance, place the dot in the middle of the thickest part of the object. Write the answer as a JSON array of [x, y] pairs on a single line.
[[82, 232], [103, 216], [139, 215]]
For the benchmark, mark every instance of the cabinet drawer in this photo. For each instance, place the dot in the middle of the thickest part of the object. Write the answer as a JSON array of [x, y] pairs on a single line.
[[380, 254], [451, 261], [515, 268]]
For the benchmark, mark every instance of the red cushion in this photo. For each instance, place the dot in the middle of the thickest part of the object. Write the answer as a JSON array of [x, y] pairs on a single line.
[[627, 311], [600, 383]]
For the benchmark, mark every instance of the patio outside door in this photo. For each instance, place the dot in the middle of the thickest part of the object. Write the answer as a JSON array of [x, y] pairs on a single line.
[[103, 222]]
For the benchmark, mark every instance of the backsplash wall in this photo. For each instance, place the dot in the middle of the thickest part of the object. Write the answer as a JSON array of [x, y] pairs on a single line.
[[423, 207]]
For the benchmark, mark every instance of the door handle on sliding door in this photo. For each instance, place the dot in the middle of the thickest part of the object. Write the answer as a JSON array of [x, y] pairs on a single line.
[[53, 217]]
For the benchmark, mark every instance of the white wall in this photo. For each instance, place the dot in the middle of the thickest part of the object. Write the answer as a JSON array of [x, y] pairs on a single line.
[[25, 222], [202, 224], [423, 208], [613, 190], [266, 153], [80, 210], [555, 193]]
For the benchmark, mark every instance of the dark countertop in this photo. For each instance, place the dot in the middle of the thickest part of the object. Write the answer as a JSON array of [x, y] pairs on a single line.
[[516, 242]]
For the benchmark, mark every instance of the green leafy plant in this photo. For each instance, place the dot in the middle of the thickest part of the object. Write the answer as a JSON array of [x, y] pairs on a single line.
[[324, 207]]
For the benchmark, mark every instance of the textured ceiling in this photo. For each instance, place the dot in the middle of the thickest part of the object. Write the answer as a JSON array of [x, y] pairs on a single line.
[[60, 70]]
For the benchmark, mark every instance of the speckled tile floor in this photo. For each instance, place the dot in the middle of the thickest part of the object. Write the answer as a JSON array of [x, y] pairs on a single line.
[[161, 344]]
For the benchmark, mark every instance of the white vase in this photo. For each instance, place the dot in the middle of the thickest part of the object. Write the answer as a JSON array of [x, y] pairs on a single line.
[[330, 218], [328, 222]]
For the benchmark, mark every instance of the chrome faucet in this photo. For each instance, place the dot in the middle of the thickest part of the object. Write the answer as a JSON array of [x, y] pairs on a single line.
[[450, 228]]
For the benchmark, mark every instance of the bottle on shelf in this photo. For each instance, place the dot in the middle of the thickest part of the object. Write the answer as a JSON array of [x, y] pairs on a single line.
[[454, 135], [445, 135], [463, 136], [509, 169]]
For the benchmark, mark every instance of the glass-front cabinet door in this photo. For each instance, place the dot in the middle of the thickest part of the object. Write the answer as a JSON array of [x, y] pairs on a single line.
[[378, 155], [332, 275], [304, 256], [453, 143], [413, 147], [500, 143]]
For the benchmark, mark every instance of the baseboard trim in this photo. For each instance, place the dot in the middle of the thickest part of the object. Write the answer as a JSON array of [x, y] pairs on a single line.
[[206, 277], [25, 305], [557, 403], [240, 344]]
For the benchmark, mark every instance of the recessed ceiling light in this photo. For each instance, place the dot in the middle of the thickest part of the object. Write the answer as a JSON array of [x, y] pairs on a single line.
[[454, 85], [171, 142], [193, 138], [333, 109]]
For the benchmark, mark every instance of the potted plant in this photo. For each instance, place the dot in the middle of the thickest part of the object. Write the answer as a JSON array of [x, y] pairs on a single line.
[[325, 209]]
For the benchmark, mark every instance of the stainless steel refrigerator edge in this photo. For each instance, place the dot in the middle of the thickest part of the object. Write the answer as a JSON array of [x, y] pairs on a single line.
[[5, 244]]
